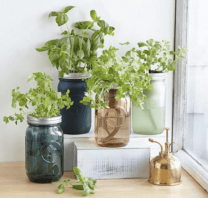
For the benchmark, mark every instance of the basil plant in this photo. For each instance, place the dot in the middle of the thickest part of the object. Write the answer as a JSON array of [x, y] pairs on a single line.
[[77, 49]]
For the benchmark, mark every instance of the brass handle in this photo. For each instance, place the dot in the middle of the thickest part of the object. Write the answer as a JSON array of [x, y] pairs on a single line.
[[176, 144], [151, 140]]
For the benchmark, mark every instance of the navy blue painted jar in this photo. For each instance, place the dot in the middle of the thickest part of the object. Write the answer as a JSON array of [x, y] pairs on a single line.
[[77, 119], [44, 149]]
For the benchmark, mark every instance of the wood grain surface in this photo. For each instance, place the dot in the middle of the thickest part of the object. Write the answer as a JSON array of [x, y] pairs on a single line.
[[14, 183]]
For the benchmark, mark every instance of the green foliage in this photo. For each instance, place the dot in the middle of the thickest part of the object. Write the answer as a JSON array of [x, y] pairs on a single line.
[[128, 74], [155, 53], [87, 184], [61, 17], [77, 49], [46, 101]]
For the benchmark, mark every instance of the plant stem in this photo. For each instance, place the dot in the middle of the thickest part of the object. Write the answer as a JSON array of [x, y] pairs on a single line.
[[67, 29], [70, 45]]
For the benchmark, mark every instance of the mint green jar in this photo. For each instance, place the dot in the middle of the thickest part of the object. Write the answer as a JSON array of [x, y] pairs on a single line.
[[151, 119]]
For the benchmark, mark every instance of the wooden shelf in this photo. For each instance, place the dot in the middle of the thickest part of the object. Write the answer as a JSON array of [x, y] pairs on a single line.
[[14, 183]]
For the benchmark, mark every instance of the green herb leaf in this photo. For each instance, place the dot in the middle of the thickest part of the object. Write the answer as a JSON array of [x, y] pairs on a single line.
[[127, 43], [87, 47], [111, 29], [61, 189], [93, 14], [84, 25], [61, 19], [91, 182], [78, 187], [95, 40], [53, 14], [104, 26], [42, 49], [141, 44], [79, 174], [76, 44], [50, 43], [64, 33], [86, 190], [67, 9]]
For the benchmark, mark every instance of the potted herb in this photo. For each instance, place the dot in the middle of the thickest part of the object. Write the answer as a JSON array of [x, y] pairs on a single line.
[[115, 80], [158, 58], [44, 137], [73, 56]]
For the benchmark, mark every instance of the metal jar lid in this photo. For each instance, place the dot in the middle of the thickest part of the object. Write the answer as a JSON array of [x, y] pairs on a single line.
[[158, 76], [76, 75], [44, 121]]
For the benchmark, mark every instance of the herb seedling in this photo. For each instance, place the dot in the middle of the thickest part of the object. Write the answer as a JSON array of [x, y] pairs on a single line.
[[155, 53], [44, 98], [128, 74], [87, 184], [77, 50]]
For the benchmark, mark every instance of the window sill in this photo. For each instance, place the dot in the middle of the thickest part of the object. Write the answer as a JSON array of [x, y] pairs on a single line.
[[193, 168]]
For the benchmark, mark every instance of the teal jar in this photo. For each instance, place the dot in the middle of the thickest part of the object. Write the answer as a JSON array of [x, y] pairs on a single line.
[[77, 119], [44, 149], [151, 119]]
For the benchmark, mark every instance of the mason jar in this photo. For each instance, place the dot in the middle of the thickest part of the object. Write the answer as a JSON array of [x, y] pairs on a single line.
[[44, 149], [113, 124], [77, 119], [151, 119]]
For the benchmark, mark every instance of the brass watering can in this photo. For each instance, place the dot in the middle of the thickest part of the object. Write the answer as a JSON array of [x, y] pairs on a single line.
[[165, 169]]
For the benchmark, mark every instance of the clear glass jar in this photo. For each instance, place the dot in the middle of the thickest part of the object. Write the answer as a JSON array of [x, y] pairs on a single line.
[[113, 124], [44, 149], [151, 119]]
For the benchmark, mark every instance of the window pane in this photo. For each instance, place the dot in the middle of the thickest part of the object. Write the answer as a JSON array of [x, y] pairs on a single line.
[[196, 131]]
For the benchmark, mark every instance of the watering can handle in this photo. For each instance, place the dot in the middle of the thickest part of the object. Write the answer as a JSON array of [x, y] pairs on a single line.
[[177, 145]]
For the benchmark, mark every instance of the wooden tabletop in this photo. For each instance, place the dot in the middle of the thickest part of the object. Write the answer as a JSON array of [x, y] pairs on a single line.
[[14, 183]]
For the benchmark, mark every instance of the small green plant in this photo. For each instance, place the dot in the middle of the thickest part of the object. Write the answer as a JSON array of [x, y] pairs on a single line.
[[87, 184], [77, 49], [128, 74], [156, 55], [44, 98]]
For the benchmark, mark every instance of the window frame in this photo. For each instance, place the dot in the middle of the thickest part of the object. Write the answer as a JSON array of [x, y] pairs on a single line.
[[179, 98]]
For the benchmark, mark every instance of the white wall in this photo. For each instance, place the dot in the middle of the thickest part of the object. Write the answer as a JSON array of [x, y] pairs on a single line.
[[24, 25]]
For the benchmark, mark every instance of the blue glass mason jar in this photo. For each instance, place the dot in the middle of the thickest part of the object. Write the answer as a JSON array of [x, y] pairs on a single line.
[[44, 149], [77, 119]]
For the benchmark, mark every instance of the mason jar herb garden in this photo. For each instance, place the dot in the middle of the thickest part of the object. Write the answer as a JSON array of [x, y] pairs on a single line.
[[73, 55], [155, 56], [115, 80], [44, 149]]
